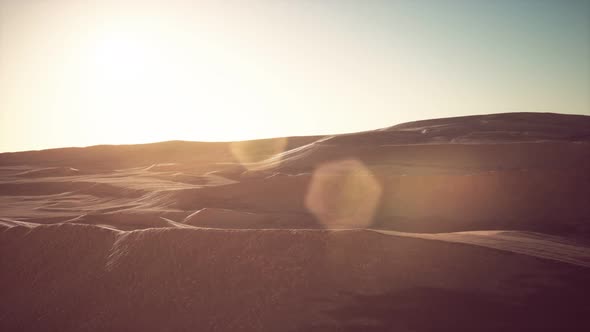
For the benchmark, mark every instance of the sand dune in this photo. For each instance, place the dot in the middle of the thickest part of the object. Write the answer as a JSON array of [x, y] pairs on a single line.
[[258, 280], [476, 223], [533, 244]]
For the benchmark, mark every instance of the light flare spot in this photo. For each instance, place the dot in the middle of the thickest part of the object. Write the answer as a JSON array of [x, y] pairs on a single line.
[[343, 194], [253, 154]]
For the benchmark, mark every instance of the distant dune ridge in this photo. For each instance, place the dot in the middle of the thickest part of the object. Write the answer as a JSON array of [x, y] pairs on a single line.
[[477, 222]]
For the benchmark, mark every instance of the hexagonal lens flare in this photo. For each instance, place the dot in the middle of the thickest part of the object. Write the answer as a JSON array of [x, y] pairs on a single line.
[[343, 194]]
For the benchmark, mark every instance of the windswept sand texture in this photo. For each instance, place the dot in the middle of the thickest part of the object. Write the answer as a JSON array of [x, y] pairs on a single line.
[[475, 223]]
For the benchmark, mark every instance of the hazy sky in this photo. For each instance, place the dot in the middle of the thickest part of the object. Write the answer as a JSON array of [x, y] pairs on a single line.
[[77, 73]]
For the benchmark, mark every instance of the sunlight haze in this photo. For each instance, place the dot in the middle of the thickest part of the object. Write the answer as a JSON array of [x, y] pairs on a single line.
[[79, 73]]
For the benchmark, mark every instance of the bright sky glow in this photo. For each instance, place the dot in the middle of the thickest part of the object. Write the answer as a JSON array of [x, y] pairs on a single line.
[[78, 73]]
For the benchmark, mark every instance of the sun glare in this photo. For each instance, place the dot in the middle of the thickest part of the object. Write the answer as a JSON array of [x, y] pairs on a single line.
[[123, 58], [81, 73], [158, 87]]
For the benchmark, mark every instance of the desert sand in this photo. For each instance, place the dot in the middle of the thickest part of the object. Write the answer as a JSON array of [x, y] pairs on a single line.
[[478, 223]]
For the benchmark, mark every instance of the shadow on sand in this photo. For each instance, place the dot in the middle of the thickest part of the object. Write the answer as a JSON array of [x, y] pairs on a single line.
[[438, 309]]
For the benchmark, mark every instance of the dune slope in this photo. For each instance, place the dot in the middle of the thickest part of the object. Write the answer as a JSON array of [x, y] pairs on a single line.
[[477, 223], [81, 277]]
